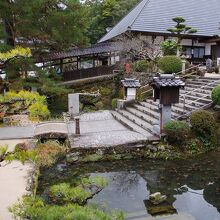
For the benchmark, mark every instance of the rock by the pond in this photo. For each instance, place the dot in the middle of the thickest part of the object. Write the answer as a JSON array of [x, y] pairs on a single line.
[[157, 198], [61, 167], [72, 157], [161, 210], [152, 148]]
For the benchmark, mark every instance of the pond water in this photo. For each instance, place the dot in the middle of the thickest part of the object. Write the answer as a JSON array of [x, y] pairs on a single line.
[[192, 186]]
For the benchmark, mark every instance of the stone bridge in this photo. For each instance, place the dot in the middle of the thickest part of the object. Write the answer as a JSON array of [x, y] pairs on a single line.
[[51, 130]]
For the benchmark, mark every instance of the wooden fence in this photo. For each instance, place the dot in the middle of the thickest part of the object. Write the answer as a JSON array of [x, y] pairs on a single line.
[[88, 73]]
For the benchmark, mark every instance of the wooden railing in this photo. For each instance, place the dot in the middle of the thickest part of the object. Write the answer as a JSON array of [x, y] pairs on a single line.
[[88, 73]]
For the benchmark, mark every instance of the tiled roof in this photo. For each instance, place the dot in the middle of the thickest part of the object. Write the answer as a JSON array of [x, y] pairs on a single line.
[[155, 16], [94, 49], [131, 83], [167, 82]]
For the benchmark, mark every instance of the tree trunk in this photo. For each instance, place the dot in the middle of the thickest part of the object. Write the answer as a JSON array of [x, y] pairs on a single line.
[[10, 39], [178, 46]]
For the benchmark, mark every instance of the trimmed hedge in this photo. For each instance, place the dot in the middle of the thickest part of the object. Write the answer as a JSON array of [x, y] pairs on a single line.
[[170, 64], [114, 103], [177, 132], [205, 127], [216, 95], [141, 66]]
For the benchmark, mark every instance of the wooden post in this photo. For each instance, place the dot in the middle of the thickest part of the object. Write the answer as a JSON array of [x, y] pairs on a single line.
[[77, 128]]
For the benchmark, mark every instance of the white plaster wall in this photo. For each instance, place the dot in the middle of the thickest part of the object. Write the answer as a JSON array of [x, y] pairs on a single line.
[[131, 94], [208, 48]]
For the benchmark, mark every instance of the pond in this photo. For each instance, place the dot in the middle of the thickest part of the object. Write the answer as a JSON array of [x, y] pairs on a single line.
[[192, 186]]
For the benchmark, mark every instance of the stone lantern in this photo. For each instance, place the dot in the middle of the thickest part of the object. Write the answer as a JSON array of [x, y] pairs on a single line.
[[166, 88], [130, 88]]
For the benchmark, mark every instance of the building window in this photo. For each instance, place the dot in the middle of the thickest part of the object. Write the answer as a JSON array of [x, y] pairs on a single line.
[[199, 52]]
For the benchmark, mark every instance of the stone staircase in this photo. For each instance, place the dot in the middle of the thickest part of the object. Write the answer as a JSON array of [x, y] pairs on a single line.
[[141, 117]]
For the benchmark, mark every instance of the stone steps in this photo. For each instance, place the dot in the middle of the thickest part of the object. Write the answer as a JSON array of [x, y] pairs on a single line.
[[143, 115], [129, 124], [147, 111], [205, 99], [136, 120]]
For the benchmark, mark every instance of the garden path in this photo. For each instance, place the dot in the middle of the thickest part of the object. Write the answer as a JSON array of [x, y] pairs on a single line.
[[13, 181], [16, 132]]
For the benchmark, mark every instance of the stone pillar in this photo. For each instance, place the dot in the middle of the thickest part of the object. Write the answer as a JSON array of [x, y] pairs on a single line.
[[77, 128], [73, 103], [165, 116], [183, 66]]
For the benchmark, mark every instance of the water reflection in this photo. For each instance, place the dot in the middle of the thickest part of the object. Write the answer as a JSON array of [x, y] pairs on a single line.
[[192, 186]]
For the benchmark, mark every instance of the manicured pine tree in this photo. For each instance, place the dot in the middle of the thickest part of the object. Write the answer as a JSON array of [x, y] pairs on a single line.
[[180, 29]]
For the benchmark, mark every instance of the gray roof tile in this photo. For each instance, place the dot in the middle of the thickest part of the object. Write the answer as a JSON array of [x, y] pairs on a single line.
[[130, 83], [167, 82], [156, 16]]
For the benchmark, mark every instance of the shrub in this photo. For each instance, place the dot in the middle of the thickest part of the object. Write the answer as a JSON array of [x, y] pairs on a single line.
[[169, 47], [114, 103], [3, 151], [105, 91], [48, 153], [99, 105], [177, 132], [36, 209], [204, 126], [170, 64], [141, 66], [38, 111], [64, 193], [216, 95]]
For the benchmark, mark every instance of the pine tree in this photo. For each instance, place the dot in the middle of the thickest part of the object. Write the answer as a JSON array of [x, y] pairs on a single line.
[[50, 24], [180, 29]]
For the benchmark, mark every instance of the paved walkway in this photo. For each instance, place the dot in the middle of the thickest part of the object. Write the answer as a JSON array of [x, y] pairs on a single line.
[[212, 75], [13, 181], [100, 129], [16, 132]]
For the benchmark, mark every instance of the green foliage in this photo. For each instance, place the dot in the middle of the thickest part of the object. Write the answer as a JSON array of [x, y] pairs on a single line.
[[33, 101], [99, 105], [38, 111], [92, 158], [36, 209], [44, 22], [114, 103], [170, 64], [22, 155], [49, 152], [29, 97], [97, 181], [177, 132], [216, 95], [64, 203], [105, 14], [141, 66], [204, 127], [139, 95], [105, 91], [180, 27], [44, 155], [47, 84], [3, 151], [15, 52], [169, 47], [63, 193]]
